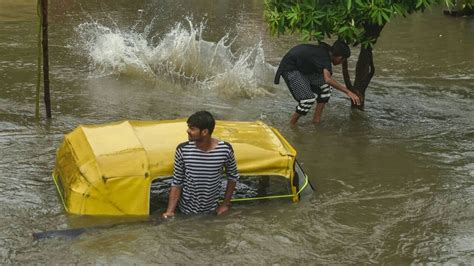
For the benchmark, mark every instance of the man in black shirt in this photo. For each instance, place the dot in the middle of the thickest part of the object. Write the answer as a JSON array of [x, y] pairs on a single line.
[[307, 72]]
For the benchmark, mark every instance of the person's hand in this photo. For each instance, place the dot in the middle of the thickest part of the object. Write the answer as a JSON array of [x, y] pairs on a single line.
[[222, 209], [354, 98], [167, 215]]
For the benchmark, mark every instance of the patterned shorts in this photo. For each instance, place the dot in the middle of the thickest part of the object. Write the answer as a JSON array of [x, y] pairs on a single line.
[[306, 89]]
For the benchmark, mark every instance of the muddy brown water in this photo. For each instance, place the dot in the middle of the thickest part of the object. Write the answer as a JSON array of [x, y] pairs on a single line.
[[394, 184]]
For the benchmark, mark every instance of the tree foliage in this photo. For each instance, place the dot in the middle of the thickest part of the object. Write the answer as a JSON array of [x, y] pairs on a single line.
[[350, 20]]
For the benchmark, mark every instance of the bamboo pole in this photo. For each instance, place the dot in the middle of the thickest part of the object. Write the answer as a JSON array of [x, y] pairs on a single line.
[[459, 5], [47, 98], [38, 66]]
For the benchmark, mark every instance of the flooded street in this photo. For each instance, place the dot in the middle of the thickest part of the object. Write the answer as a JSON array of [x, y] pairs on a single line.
[[394, 183]]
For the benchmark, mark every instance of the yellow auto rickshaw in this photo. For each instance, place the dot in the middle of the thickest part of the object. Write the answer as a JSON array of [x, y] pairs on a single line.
[[108, 169]]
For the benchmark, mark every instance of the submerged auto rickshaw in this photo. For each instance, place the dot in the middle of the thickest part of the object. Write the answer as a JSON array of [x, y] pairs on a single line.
[[108, 169]]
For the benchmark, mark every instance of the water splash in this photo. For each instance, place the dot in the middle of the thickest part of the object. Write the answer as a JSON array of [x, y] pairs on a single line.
[[181, 56]]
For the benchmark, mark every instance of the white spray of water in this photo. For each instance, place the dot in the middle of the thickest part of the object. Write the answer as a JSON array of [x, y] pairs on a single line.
[[181, 56]]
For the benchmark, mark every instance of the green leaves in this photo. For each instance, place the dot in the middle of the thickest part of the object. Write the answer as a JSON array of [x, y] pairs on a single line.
[[294, 15], [310, 35], [380, 15], [399, 10], [421, 3], [273, 19], [348, 19], [361, 4]]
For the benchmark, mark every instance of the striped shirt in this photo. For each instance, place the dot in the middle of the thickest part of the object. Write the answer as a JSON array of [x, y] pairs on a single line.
[[199, 174]]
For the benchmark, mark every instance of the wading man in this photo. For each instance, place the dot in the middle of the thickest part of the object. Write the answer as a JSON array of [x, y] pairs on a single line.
[[198, 168], [307, 72]]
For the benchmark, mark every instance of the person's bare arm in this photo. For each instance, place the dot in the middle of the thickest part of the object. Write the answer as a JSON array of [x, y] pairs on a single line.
[[232, 177], [224, 207], [175, 193], [176, 183], [333, 83]]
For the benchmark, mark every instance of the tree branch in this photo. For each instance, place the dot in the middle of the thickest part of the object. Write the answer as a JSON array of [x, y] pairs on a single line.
[[345, 73], [372, 66]]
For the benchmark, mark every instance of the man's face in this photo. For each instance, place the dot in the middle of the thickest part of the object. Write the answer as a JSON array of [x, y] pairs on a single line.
[[195, 134], [336, 60]]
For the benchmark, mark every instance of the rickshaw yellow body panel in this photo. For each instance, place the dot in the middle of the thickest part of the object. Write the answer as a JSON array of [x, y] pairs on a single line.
[[108, 169]]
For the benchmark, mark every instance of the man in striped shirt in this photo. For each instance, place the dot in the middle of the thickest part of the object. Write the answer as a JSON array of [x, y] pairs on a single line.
[[198, 168]]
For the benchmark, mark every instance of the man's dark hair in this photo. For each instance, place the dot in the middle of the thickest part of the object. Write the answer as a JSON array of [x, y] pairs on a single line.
[[202, 120], [340, 48]]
